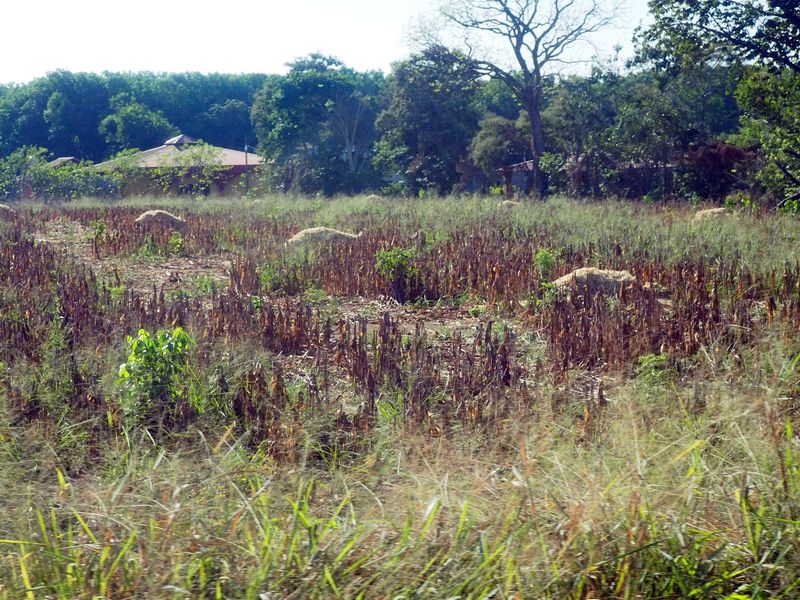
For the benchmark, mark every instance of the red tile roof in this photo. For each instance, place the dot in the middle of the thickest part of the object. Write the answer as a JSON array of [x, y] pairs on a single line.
[[168, 153]]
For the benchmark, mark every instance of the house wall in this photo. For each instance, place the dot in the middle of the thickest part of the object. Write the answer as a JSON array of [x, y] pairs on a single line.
[[232, 183]]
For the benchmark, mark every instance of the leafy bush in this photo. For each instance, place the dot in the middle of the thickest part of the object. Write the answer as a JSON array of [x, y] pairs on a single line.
[[654, 369], [738, 200], [396, 266], [280, 275], [195, 169], [545, 260], [176, 244], [25, 172], [154, 378]]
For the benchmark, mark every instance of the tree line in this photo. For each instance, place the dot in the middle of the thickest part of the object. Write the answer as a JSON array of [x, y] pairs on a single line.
[[709, 108]]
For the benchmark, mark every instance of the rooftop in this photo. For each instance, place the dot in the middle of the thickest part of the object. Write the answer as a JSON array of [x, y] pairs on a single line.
[[169, 152]]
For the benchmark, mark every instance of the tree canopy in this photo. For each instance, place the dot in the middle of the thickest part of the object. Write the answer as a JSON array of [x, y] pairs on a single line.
[[317, 126], [709, 107], [763, 36], [429, 121], [762, 31], [540, 36], [92, 116]]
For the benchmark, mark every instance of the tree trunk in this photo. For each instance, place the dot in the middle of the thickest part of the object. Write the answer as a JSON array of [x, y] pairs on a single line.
[[536, 184]]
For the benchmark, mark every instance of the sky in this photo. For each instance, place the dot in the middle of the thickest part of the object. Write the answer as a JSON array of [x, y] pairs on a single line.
[[233, 36]]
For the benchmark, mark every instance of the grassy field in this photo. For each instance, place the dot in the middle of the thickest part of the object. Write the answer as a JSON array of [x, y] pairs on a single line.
[[415, 414]]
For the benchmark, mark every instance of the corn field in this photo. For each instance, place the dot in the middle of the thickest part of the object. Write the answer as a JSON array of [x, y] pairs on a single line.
[[480, 375], [441, 323]]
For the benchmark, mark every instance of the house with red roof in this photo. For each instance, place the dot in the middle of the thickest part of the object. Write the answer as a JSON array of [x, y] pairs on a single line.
[[184, 165]]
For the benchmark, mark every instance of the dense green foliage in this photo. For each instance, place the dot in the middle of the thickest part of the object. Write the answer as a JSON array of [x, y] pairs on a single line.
[[25, 173], [152, 381], [763, 35], [316, 125], [708, 109], [499, 142], [687, 31], [429, 126], [92, 116], [772, 120], [430, 120]]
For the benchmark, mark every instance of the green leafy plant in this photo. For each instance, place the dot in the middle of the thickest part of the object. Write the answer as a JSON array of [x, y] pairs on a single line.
[[545, 295], [98, 231], [396, 266], [791, 207], [654, 369], [148, 251], [315, 295], [477, 310], [153, 379], [98, 228], [117, 292], [738, 199], [175, 243], [57, 371], [545, 260], [180, 295], [203, 285], [285, 274], [269, 277]]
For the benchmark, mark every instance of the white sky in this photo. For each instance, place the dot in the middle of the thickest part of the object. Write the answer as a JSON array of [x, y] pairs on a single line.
[[238, 36]]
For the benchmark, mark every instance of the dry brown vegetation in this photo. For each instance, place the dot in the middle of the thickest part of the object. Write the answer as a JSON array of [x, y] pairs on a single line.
[[712, 213], [300, 362], [160, 218], [7, 213]]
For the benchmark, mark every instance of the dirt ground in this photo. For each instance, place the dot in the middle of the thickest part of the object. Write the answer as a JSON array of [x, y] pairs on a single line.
[[169, 274], [195, 274]]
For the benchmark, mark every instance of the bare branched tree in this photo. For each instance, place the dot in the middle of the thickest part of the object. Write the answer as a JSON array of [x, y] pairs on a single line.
[[541, 35]]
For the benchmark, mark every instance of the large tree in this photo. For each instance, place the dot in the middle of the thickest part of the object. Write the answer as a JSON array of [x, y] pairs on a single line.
[[762, 31], [499, 142], [430, 120], [227, 125], [763, 35], [71, 114], [771, 102], [134, 125], [59, 112], [316, 125], [541, 35]]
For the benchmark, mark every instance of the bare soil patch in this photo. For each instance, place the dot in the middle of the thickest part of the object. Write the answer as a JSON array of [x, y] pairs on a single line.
[[139, 274], [192, 274]]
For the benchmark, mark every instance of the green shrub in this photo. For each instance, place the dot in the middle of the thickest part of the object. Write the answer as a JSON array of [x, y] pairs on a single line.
[[737, 200], [545, 260], [396, 266], [154, 379], [654, 369], [148, 251], [283, 275], [176, 244], [269, 277]]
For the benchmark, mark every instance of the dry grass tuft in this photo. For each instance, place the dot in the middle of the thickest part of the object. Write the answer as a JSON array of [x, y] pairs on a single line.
[[593, 280]]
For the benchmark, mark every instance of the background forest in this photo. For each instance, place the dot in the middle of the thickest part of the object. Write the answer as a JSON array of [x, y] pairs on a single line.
[[708, 107]]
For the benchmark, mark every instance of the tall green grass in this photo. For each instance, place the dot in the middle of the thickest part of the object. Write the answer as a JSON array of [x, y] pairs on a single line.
[[760, 240], [682, 481], [657, 496]]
